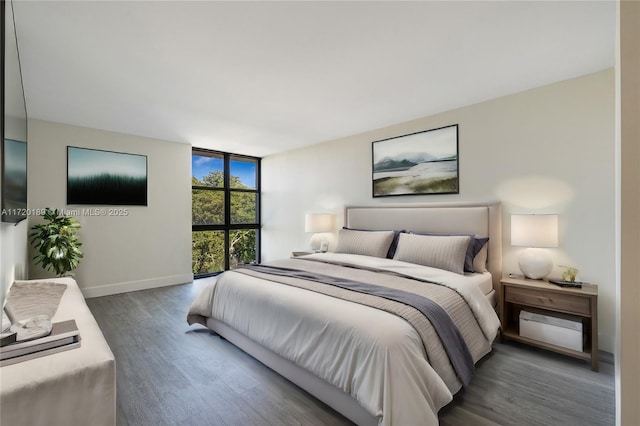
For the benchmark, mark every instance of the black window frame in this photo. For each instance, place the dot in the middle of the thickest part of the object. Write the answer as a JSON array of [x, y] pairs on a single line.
[[227, 226]]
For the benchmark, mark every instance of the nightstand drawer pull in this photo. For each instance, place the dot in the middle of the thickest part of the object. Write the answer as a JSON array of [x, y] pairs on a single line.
[[560, 302]]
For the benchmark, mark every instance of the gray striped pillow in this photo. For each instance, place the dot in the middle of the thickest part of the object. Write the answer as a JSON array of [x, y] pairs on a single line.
[[368, 243], [443, 252]]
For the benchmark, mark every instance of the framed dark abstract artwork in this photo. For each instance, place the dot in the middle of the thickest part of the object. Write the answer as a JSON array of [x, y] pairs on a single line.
[[106, 177]]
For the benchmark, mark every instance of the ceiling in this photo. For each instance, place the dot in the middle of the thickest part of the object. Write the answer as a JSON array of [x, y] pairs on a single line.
[[260, 78]]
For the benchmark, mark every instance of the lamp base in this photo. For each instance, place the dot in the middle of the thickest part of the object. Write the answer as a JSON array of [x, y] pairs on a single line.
[[535, 263], [319, 243]]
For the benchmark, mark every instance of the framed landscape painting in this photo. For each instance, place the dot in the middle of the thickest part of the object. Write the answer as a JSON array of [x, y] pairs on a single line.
[[105, 177], [416, 164]]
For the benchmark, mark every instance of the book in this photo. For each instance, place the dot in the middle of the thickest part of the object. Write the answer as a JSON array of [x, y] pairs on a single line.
[[62, 334], [561, 283], [32, 355], [7, 337]]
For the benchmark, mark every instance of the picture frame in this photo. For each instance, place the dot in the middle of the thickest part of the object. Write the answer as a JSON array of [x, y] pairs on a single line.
[[421, 163], [106, 177]]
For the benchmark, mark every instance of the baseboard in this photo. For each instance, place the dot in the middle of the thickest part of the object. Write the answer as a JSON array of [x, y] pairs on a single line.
[[116, 288]]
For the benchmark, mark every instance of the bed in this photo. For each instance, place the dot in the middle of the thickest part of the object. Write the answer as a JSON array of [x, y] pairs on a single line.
[[373, 330]]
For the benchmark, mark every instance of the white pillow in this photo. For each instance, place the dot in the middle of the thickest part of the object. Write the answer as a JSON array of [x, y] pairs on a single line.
[[480, 261], [443, 252], [368, 243]]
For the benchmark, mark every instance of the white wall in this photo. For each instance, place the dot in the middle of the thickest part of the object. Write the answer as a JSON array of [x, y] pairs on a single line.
[[546, 150], [149, 247]]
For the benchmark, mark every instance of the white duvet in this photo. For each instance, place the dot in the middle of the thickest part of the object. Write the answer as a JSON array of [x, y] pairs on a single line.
[[375, 356]]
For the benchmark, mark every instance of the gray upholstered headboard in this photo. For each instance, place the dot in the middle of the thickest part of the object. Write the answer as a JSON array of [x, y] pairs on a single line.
[[482, 219]]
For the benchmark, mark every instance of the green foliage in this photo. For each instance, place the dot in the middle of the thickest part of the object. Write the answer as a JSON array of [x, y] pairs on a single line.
[[207, 251], [208, 209], [56, 243], [569, 274], [215, 179], [235, 182], [243, 207], [242, 246]]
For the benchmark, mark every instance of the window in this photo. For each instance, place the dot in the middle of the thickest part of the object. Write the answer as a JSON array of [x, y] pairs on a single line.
[[225, 212]]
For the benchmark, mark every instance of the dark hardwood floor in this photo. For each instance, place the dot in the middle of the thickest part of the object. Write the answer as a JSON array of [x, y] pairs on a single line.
[[169, 373]]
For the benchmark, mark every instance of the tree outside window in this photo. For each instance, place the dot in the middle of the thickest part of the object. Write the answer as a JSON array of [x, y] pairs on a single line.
[[225, 211]]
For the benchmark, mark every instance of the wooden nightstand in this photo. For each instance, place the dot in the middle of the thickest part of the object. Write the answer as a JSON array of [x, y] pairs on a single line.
[[516, 294]]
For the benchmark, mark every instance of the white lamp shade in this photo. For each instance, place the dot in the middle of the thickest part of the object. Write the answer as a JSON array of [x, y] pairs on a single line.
[[534, 230], [318, 222]]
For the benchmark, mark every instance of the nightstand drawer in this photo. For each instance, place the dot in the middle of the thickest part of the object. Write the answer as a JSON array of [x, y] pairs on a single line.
[[550, 300]]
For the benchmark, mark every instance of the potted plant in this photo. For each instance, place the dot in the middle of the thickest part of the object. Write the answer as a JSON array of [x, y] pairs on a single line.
[[56, 243]]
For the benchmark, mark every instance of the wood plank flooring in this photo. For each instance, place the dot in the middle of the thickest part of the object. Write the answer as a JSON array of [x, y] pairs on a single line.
[[169, 373]]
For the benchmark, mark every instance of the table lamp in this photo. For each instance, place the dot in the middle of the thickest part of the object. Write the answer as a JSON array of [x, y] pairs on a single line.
[[319, 224], [536, 232]]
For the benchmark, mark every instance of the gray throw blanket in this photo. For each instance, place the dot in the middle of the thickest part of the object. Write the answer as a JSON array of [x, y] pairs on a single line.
[[28, 300], [452, 340]]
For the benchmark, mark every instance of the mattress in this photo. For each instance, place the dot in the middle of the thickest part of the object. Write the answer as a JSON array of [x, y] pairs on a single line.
[[484, 281]]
